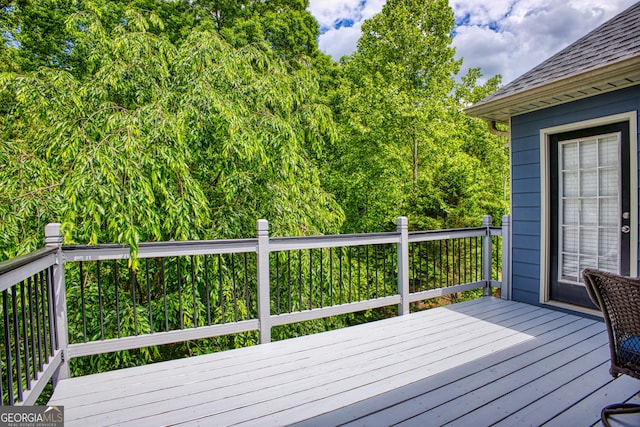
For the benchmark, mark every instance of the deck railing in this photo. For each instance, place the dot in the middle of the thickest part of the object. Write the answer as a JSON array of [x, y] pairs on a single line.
[[181, 291]]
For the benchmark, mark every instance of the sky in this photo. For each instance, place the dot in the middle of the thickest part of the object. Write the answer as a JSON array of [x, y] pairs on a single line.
[[506, 37]]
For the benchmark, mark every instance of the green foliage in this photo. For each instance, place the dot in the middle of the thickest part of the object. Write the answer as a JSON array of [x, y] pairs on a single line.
[[143, 120], [165, 142], [404, 146]]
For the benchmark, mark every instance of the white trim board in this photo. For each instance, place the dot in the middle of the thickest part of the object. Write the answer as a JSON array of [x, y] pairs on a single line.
[[545, 214]]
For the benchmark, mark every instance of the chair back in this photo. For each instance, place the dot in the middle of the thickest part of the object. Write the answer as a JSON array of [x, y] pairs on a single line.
[[619, 299]]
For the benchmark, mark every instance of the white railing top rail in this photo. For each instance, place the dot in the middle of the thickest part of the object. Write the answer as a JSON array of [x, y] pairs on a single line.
[[74, 253], [100, 252], [15, 270]]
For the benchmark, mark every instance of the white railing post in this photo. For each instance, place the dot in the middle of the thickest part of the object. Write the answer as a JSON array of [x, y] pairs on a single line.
[[487, 253], [505, 288], [53, 238], [264, 294], [403, 264]]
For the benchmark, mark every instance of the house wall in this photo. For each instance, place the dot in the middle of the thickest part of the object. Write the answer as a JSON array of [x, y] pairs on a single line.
[[526, 180]]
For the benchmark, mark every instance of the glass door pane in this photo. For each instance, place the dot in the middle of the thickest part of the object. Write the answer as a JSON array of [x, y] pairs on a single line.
[[589, 197]]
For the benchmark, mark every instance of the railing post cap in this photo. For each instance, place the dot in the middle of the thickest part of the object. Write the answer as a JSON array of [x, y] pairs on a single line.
[[52, 229], [262, 225], [486, 220], [52, 233], [506, 219], [402, 221]]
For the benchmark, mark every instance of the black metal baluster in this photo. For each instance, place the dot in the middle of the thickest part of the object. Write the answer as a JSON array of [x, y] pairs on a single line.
[[340, 273], [132, 281], [52, 310], [375, 257], [82, 301], [289, 277], [7, 350], [434, 253], [367, 280], [454, 266], [164, 293], [476, 258], [456, 260], [359, 265], [247, 296], [417, 268], [465, 252], [461, 267], [350, 275], [36, 288], [412, 268], [150, 306], [45, 310], [193, 291], [116, 280], [208, 289], [100, 300], [300, 278], [235, 287], [27, 367], [427, 275], [321, 287], [447, 257], [278, 291], [16, 337], [441, 265], [495, 259], [472, 248], [426, 286], [310, 279], [221, 290], [498, 246], [180, 308], [34, 361], [330, 276], [384, 273]]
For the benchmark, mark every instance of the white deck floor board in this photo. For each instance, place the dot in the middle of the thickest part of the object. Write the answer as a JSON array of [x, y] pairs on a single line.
[[476, 363], [405, 373], [276, 353], [475, 384], [330, 360], [303, 382], [466, 377], [587, 410]]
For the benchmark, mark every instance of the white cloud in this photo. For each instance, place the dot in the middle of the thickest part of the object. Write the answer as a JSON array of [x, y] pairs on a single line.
[[511, 37], [341, 41], [506, 37]]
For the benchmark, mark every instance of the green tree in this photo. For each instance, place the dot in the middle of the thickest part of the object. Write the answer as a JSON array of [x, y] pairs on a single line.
[[163, 141], [388, 107], [405, 147]]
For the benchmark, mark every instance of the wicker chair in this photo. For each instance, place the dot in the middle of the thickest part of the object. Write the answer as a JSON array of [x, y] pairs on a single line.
[[619, 299]]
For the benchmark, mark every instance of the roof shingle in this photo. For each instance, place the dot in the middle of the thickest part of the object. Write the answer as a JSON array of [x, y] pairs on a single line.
[[616, 39]]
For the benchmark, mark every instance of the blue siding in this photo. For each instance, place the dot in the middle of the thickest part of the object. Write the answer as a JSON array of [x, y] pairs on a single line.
[[526, 157], [527, 170], [526, 200], [525, 173]]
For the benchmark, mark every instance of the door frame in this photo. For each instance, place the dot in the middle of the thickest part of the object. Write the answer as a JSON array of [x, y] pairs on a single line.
[[545, 198]]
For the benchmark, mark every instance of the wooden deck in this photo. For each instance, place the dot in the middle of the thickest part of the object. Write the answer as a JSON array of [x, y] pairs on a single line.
[[483, 362]]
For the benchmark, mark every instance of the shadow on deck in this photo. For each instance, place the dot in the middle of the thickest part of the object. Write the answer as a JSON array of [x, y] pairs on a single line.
[[482, 362]]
